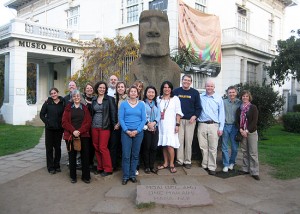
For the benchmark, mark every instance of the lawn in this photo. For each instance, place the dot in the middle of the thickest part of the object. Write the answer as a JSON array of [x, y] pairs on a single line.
[[281, 150], [14, 139]]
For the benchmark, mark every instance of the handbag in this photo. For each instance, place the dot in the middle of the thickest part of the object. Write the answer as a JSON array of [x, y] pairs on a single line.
[[77, 143], [238, 137]]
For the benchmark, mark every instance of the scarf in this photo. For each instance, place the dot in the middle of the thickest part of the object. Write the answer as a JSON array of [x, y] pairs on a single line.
[[243, 117]]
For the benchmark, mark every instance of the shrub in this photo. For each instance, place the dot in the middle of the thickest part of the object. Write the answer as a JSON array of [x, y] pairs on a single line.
[[291, 122], [296, 108], [268, 102]]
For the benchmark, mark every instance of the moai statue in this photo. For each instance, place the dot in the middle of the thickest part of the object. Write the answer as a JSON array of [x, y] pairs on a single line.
[[154, 65]]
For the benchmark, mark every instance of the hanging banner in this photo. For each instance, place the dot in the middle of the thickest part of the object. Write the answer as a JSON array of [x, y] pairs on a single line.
[[202, 32]]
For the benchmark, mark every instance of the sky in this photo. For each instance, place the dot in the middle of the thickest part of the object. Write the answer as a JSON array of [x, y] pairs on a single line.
[[291, 23]]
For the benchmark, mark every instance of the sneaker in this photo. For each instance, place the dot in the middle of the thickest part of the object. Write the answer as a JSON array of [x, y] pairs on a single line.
[[231, 166], [137, 172], [225, 169]]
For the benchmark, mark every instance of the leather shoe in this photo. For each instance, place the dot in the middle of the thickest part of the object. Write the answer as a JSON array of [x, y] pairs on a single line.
[[133, 180], [256, 177], [243, 172], [87, 181], [124, 181], [103, 174], [188, 166], [147, 171], [210, 172], [58, 170], [153, 170], [98, 172]]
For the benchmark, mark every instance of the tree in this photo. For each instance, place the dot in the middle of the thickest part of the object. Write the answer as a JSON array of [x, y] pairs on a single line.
[[287, 63], [104, 57], [268, 102]]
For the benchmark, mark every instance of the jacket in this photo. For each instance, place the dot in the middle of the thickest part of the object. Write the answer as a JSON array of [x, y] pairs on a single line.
[[109, 117], [69, 128], [51, 113], [252, 118]]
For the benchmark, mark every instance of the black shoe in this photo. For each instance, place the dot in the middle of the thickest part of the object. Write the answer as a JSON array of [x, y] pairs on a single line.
[[124, 181], [98, 172], [147, 171], [52, 171], [206, 169], [243, 172], [73, 181], [133, 180], [153, 170], [210, 172], [87, 181], [103, 174], [187, 166], [256, 177], [58, 170]]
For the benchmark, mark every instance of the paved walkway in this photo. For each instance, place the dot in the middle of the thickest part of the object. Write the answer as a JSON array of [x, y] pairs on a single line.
[[19, 164], [240, 194]]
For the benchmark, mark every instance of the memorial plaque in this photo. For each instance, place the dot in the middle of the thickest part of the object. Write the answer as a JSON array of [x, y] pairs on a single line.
[[173, 195]]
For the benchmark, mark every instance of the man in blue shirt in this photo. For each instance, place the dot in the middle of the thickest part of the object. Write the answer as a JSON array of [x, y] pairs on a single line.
[[190, 106], [211, 124], [231, 104]]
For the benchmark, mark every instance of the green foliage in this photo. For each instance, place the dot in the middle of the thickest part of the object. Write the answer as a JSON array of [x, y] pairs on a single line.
[[296, 108], [291, 122], [104, 57], [145, 205], [18, 138], [281, 151], [287, 63], [268, 102], [185, 57]]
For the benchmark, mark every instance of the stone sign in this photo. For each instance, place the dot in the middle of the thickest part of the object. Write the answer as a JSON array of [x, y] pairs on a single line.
[[173, 195]]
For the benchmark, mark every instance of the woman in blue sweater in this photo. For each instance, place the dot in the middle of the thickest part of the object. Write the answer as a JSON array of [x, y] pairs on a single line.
[[150, 140], [132, 118]]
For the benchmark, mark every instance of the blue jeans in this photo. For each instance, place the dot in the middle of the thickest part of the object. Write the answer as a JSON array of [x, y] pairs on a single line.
[[229, 132], [130, 153]]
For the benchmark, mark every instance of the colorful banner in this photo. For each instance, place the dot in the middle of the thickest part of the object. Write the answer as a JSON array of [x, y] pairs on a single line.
[[202, 32]]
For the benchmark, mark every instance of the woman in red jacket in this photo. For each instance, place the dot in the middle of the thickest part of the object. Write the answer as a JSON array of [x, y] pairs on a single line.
[[76, 122]]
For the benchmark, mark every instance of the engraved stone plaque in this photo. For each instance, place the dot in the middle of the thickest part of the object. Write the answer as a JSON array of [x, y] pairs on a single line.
[[173, 195]]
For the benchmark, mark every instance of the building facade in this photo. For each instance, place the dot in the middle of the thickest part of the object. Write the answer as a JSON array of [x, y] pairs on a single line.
[[38, 54]]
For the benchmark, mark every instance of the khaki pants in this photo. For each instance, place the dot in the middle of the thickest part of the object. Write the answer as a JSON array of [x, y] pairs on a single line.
[[186, 135], [250, 154], [208, 143]]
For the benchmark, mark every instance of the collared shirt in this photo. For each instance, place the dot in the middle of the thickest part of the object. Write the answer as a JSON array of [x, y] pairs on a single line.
[[212, 109], [111, 92], [80, 106], [230, 110]]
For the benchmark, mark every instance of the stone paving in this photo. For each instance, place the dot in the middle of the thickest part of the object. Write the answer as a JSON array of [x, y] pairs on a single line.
[[240, 194]]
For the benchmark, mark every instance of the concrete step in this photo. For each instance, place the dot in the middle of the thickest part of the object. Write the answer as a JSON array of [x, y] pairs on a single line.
[[36, 121]]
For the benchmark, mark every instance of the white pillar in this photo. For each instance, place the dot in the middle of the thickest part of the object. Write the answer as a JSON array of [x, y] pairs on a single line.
[[15, 111], [6, 79]]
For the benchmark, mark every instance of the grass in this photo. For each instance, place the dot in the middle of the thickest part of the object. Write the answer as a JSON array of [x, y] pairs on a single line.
[[281, 150], [15, 139], [149, 205]]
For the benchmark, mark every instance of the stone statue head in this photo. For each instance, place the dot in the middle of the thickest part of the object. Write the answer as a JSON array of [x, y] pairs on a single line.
[[154, 33]]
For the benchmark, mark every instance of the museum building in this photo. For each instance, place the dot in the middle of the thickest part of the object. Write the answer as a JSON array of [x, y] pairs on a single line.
[[37, 52]]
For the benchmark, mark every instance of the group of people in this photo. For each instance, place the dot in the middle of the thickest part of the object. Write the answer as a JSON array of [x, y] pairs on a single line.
[[114, 121]]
